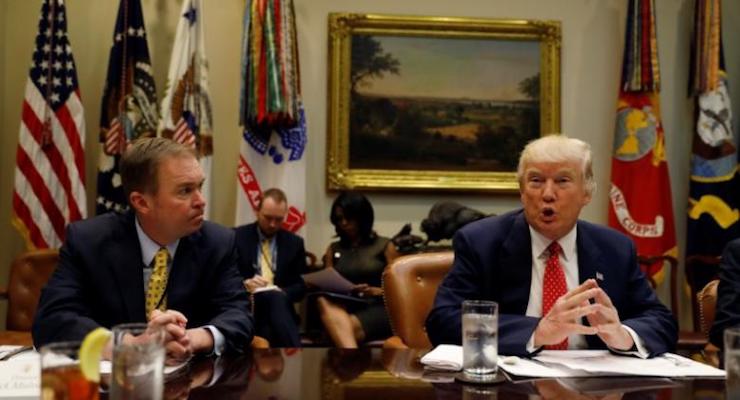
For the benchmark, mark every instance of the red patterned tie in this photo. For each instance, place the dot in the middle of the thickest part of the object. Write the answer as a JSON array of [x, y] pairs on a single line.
[[553, 286]]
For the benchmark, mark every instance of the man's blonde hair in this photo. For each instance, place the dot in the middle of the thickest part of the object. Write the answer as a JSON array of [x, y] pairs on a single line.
[[140, 162], [555, 149]]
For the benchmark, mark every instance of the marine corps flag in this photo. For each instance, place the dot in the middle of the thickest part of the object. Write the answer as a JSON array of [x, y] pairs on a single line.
[[714, 186], [186, 108], [271, 113], [129, 107], [640, 194]]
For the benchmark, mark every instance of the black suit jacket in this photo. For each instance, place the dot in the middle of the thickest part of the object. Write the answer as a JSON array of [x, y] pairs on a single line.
[[493, 261], [728, 294], [99, 282], [291, 259]]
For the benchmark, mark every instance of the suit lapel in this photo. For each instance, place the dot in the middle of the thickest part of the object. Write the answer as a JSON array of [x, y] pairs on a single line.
[[183, 274], [516, 266], [127, 268], [590, 264], [253, 240]]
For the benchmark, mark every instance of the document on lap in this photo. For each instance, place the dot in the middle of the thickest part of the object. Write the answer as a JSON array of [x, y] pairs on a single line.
[[265, 289], [329, 280], [580, 364]]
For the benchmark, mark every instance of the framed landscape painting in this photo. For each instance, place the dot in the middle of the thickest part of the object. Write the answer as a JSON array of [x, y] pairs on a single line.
[[434, 103]]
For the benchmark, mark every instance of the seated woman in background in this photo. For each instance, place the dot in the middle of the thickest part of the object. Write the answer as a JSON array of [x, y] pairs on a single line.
[[360, 255]]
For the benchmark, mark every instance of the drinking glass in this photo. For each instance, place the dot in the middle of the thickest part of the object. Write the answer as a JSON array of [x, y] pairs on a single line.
[[61, 377], [732, 362], [480, 341], [138, 362]]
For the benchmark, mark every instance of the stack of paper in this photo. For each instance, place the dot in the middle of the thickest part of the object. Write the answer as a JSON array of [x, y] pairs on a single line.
[[580, 363]]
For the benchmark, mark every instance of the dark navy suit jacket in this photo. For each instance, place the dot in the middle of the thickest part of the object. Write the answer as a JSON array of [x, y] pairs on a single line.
[[728, 293], [99, 282], [493, 261], [291, 259]]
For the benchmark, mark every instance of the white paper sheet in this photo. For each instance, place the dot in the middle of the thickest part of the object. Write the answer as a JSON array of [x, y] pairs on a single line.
[[584, 363], [580, 363], [445, 357]]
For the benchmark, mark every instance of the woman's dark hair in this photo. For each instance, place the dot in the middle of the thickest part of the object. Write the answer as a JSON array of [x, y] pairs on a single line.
[[355, 207]]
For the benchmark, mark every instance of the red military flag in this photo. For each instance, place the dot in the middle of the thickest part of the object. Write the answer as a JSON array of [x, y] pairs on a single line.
[[271, 113], [49, 190], [640, 193]]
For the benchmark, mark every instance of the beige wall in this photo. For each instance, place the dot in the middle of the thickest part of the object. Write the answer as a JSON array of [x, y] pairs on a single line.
[[591, 59]]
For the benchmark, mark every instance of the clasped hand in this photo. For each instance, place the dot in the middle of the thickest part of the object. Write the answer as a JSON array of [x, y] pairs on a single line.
[[180, 343], [590, 301]]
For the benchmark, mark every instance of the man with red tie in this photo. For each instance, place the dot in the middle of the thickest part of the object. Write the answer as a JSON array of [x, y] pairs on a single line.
[[560, 283]]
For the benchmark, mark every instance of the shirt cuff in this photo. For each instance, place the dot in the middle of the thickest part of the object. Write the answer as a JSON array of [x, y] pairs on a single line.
[[218, 370], [218, 340], [530, 345], [638, 350]]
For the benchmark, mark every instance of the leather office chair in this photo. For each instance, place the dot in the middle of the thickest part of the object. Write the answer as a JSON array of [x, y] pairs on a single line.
[[28, 274], [707, 299], [409, 286]]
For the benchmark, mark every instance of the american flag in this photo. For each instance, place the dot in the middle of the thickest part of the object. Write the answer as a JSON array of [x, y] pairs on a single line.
[[186, 108], [184, 130], [49, 190], [129, 106]]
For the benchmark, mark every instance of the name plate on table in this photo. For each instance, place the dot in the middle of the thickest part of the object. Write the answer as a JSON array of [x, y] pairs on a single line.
[[21, 377]]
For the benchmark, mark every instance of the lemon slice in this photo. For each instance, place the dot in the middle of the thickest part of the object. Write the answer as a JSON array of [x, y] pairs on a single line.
[[90, 351]]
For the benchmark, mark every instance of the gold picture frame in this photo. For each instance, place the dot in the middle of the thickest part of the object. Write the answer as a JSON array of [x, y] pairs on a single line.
[[470, 142]]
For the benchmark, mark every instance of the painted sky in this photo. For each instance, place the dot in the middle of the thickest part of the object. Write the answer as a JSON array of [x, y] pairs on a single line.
[[456, 68]]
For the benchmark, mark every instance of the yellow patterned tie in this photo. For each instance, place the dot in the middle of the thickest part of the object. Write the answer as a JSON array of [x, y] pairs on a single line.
[[266, 261], [157, 283]]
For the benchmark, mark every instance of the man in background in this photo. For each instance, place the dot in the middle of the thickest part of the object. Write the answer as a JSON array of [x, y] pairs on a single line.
[[159, 262], [271, 261]]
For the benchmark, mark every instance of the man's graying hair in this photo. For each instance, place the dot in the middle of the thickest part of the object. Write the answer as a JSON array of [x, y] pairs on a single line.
[[140, 163], [556, 149]]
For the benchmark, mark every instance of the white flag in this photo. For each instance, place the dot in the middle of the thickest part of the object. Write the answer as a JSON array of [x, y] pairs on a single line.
[[186, 108], [279, 163]]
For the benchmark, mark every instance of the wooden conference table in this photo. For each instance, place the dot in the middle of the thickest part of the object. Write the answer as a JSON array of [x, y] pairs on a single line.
[[384, 374]]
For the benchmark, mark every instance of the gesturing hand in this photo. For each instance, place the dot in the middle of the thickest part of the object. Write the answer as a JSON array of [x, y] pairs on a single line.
[[606, 320], [564, 317]]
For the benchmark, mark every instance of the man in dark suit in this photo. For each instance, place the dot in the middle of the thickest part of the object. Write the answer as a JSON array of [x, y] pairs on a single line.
[[162, 249], [728, 294], [559, 282], [271, 261]]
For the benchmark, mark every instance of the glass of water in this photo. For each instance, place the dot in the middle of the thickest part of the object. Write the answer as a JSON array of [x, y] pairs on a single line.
[[480, 339], [138, 362], [732, 362]]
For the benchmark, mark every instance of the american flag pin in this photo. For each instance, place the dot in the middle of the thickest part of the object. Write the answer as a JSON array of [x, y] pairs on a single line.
[[599, 276]]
